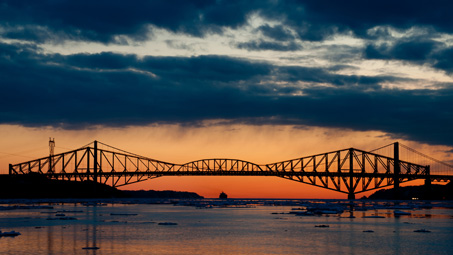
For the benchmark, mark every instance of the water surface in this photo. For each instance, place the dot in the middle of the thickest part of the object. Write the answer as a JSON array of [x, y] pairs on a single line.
[[209, 227]]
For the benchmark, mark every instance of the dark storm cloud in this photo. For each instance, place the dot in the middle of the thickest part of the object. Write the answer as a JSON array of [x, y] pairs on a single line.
[[418, 51], [444, 60], [311, 19], [102, 20], [307, 20], [412, 114], [78, 91], [325, 77], [266, 45], [359, 16], [278, 33], [410, 50], [205, 68]]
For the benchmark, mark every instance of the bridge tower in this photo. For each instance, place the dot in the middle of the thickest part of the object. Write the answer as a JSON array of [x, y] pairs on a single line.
[[95, 163], [396, 170], [51, 153], [95, 169], [351, 189]]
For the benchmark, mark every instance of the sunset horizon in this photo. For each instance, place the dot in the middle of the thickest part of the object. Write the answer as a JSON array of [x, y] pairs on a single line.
[[226, 127], [260, 81], [241, 187]]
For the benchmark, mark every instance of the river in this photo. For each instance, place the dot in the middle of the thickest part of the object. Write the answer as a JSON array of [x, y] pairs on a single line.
[[142, 226]]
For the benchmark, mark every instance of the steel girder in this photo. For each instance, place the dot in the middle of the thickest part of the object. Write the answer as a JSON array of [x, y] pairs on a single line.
[[349, 171]]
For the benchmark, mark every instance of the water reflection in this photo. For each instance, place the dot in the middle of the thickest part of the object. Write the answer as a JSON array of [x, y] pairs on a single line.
[[50, 240], [134, 229], [91, 227]]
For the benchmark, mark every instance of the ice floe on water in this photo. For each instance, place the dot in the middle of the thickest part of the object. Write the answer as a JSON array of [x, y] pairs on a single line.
[[399, 213], [9, 233], [91, 248], [305, 213], [62, 218], [123, 214], [422, 231], [24, 207], [167, 223], [70, 211]]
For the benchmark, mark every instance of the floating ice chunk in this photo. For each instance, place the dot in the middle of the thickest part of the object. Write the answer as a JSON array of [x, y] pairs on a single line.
[[123, 214], [69, 211], [422, 231], [167, 223], [62, 218], [398, 213], [10, 233], [91, 248], [306, 213]]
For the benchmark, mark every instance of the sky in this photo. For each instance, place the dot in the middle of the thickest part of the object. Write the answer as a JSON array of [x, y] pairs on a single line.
[[261, 81]]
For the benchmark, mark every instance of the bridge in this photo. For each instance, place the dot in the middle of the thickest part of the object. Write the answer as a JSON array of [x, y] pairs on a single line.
[[350, 171]]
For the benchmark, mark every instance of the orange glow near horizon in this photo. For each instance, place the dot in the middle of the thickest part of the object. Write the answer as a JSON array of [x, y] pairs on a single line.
[[239, 187], [178, 144]]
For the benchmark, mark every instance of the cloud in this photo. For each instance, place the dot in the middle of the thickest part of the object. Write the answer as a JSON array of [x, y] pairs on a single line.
[[417, 50], [412, 49], [103, 20], [278, 32], [444, 60], [359, 16], [268, 45], [314, 20], [324, 77], [110, 89], [287, 26]]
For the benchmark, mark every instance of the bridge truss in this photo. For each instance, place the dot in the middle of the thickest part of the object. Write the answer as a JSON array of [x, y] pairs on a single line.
[[349, 171]]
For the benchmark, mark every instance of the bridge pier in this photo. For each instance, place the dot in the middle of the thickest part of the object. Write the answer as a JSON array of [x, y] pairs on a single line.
[[351, 196]]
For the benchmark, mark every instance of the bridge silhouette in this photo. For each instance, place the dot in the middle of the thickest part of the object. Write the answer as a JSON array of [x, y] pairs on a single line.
[[350, 171]]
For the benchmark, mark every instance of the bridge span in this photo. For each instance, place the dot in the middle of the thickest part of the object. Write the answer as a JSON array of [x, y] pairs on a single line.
[[350, 171]]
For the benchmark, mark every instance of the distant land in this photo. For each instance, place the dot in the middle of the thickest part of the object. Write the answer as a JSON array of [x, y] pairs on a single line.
[[36, 186], [436, 192]]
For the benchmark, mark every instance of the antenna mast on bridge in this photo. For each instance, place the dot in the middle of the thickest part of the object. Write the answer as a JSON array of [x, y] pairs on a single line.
[[51, 146]]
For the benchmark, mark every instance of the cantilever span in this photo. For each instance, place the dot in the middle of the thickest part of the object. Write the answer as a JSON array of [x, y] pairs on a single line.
[[349, 171], [221, 167]]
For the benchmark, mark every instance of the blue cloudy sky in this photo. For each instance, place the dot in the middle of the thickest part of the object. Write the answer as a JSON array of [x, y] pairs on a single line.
[[382, 66]]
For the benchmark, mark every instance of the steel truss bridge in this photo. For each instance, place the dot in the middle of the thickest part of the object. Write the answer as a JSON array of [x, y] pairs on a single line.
[[350, 171]]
